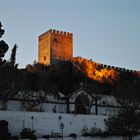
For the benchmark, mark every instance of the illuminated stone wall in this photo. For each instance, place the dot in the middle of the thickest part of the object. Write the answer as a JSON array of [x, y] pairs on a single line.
[[44, 49], [55, 45]]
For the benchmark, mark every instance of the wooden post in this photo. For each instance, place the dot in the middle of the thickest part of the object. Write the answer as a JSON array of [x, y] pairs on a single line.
[[67, 103], [96, 108]]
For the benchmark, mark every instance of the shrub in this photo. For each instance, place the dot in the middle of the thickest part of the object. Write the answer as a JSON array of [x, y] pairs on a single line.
[[95, 131], [14, 138], [85, 132], [4, 133], [125, 124], [73, 135], [27, 133], [46, 136]]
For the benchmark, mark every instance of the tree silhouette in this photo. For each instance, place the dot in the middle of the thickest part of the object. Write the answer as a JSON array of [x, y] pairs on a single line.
[[3, 48], [13, 57], [127, 122], [7, 73], [1, 30]]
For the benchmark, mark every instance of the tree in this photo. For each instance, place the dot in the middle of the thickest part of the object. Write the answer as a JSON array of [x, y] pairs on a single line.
[[127, 122], [4, 133], [127, 94], [7, 73], [3, 48], [1, 30], [13, 57]]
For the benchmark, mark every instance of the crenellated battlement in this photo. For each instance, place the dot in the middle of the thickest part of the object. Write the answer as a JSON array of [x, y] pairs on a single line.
[[62, 33], [56, 32]]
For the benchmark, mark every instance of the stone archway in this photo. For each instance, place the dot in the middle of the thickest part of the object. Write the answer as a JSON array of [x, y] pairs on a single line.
[[82, 104]]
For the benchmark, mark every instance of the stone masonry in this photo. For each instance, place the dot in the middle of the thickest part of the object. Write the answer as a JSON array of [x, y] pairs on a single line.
[[54, 46]]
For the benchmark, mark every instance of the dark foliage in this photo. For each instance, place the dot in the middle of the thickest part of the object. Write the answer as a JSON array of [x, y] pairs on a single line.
[[7, 73], [14, 138], [8, 86], [46, 136], [13, 57], [4, 133], [73, 135], [126, 123], [3, 48], [94, 132], [1, 30], [27, 133], [128, 94], [64, 77]]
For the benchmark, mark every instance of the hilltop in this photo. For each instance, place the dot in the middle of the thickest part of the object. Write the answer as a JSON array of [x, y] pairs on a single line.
[[66, 76]]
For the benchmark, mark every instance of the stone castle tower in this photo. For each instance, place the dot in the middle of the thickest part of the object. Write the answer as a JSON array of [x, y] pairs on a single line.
[[54, 46]]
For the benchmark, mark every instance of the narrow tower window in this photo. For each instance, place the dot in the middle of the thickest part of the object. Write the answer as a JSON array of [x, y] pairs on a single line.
[[44, 58]]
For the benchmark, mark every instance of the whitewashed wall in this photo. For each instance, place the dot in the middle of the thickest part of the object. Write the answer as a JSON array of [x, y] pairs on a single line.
[[45, 123]]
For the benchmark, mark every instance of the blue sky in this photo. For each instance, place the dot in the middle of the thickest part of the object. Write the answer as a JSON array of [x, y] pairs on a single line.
[[106, 31]]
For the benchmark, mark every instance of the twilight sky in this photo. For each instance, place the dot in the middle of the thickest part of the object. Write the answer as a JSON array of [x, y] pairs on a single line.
[[106, 31]]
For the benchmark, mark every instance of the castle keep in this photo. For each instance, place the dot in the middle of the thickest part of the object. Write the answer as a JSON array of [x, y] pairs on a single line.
[[55, 45]]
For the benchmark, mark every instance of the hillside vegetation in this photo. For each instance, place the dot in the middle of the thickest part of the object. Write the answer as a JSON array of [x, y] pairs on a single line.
[[66, 76]]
